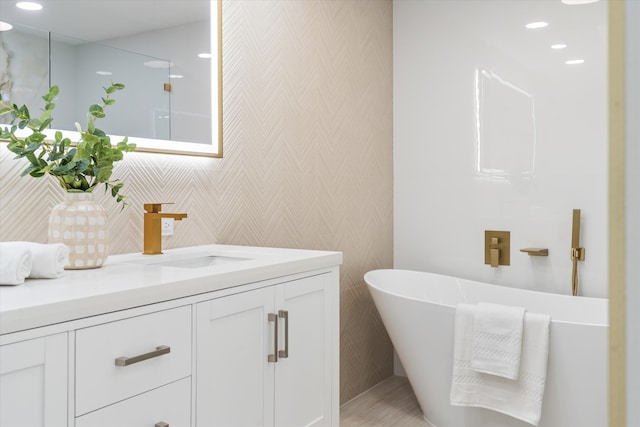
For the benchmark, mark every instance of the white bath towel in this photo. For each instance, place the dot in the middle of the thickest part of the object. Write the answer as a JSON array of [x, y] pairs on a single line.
[[497, 340], [15, 262], [521, 398], [48, 260]]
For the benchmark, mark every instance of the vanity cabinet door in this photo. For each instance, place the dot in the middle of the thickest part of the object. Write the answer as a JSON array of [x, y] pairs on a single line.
[[234, 380], [239, 380], [33, 382], [303, 379]]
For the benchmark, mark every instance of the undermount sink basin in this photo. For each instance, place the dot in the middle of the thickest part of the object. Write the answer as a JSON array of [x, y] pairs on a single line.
[[194, 262]]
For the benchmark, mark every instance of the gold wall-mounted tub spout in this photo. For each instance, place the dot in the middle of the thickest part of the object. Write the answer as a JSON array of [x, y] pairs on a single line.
[[536, 251], [577, 253]]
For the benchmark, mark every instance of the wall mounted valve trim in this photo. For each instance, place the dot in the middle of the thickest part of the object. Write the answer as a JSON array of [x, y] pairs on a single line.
[[497, 248]]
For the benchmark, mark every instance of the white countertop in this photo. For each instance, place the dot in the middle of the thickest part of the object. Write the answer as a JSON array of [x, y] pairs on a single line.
[[132, 280]]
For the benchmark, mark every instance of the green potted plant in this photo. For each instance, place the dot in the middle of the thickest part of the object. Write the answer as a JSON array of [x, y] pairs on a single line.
[[78, 166]]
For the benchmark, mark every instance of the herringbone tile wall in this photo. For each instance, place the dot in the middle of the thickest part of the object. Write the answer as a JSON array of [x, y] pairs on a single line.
[[308, 159]]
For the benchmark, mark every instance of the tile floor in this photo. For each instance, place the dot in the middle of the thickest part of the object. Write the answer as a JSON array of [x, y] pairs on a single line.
[[390, 403]]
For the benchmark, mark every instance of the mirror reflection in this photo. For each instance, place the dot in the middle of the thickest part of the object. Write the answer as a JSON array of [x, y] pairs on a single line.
[[165, 53]]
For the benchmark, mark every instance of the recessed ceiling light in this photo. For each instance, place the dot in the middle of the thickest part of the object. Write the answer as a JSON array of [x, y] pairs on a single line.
[[574, 2], [204, 55], [104, 73], [175, 76], [158, 64], [28, 5], [574, 61], [558, 46], [539, 24], [5, 26]]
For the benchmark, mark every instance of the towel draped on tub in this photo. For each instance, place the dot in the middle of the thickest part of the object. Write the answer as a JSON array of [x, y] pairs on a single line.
[[521, 398], [497, 339]]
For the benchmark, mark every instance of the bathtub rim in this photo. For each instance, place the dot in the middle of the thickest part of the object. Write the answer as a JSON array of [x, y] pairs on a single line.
[[591, 300]]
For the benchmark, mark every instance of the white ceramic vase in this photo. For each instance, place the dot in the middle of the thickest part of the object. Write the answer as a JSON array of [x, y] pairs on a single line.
[[81, 224]]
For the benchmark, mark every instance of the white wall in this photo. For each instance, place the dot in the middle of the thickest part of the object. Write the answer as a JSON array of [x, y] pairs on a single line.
[[493, 131]]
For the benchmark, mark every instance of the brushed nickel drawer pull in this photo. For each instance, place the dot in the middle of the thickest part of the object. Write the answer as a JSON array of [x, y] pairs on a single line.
[[273, 358], [161, 424], [285, 315], [159, 351]]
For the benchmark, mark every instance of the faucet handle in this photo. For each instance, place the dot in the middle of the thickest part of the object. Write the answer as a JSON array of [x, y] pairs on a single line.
[[155, 207]]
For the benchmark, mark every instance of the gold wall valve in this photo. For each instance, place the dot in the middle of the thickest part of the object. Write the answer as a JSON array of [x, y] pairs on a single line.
[[494, 252], [497, 248]]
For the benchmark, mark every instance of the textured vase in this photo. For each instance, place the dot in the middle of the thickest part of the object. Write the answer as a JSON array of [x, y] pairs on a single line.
[[81, 224]]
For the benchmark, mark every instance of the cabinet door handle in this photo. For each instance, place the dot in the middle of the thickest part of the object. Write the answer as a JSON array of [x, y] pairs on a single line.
[[273, 358], [159, 351], [284, 314], [161, 424]]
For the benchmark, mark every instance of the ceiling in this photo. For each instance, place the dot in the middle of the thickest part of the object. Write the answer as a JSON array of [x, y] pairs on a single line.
[[98, 20]]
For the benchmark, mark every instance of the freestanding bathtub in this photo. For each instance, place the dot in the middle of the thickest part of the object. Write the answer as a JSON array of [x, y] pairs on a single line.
[[418, 311]]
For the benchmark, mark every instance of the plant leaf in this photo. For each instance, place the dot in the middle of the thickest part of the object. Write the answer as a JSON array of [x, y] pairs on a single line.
[[97, 111]]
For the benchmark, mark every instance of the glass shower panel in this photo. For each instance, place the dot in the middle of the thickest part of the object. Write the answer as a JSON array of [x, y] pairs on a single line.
[[81, 69]]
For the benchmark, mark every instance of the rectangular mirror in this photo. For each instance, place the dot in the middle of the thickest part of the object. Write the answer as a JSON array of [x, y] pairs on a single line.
[[167, 54]]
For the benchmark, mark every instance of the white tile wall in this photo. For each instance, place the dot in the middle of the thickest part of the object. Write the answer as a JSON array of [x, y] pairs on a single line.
[[470, 80]]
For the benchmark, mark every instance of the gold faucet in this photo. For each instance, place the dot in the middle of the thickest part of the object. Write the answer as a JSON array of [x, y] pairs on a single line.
[[577, 253], [153, 227]]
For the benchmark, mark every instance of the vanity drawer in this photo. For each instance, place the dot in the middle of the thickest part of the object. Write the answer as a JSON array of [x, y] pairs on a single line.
[[169, 404], [117, 360]]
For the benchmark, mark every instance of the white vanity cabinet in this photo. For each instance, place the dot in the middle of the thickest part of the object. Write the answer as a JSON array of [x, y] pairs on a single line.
[[33, 382], [264, 358], [253, 344]]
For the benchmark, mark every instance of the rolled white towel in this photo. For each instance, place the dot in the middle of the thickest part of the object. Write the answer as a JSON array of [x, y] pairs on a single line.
[[48, 260], [15, 262]]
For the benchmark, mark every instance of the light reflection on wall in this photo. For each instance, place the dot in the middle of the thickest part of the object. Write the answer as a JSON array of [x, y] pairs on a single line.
[[505, 128]]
